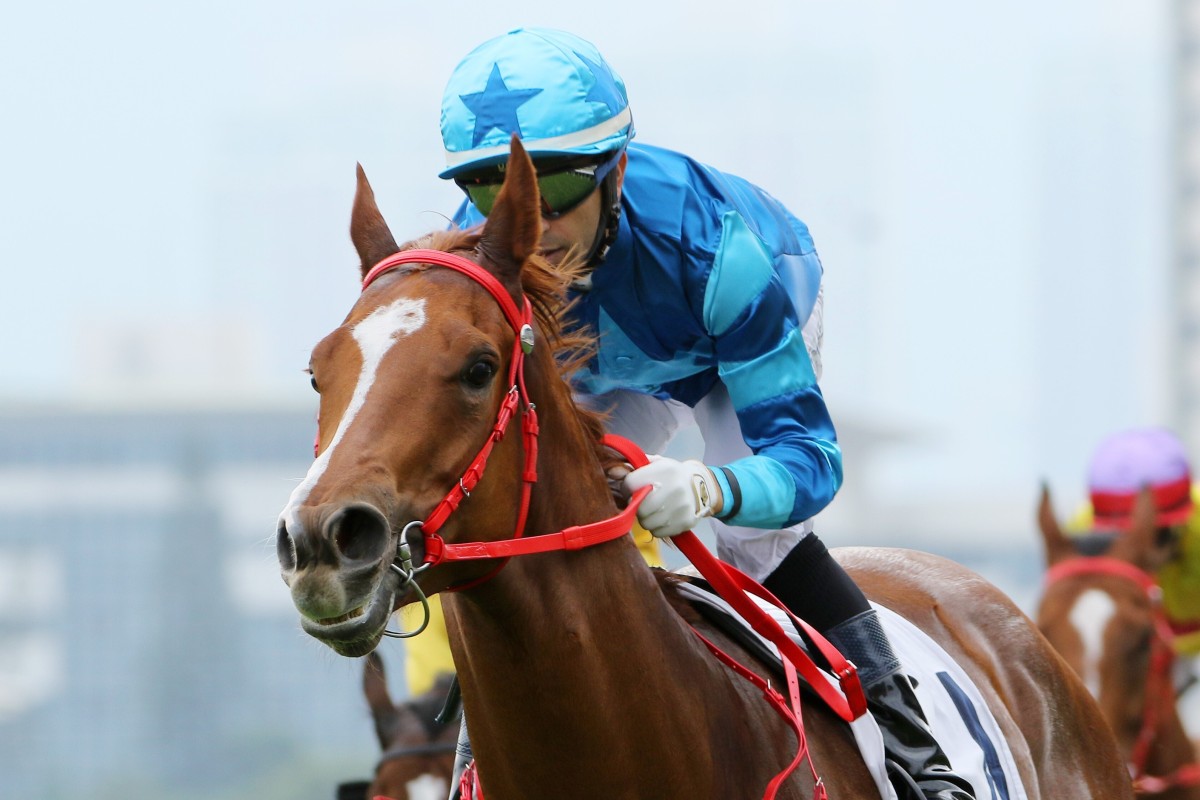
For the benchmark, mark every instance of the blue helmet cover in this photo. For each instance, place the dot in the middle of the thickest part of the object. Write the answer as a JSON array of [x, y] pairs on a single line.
[[549, 87]]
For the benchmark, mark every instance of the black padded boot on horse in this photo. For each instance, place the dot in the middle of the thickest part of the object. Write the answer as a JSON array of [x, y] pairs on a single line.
[[816, 589]]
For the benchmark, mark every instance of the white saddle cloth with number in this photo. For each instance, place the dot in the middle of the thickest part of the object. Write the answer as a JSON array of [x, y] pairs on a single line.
[[958, 716]]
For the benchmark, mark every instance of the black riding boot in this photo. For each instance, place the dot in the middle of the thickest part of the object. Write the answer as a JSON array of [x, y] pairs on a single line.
[[818, 590], [916, 765]]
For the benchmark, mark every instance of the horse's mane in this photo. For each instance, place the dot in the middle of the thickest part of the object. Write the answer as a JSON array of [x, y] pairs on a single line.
[[546, 287]]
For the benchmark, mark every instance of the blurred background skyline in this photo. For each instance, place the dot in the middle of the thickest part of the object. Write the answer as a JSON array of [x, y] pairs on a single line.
[[992, 191]]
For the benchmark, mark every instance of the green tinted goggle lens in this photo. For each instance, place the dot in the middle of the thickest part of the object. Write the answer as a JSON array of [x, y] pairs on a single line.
[[483, 195], [561, 191]]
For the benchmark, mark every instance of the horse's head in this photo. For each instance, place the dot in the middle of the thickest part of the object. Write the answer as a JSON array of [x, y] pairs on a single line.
[[1103, 614], [417, 751], [411, 385]]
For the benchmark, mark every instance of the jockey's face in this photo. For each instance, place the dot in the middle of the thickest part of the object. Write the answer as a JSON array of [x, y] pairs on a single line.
[[578, 227]]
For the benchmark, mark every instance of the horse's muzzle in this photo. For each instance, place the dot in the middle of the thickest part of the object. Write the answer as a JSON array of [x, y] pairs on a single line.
[[336, 559], [342, 536]]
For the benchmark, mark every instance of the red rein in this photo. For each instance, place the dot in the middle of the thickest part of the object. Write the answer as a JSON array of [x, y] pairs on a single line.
[[734, 586], [1162, 655]]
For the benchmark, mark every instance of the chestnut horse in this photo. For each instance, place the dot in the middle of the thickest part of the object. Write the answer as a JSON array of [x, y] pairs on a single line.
[[1104, 615], [581, 671], [417, 748]]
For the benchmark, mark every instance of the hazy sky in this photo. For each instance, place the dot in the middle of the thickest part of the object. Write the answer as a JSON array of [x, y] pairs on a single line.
[[987, 186]]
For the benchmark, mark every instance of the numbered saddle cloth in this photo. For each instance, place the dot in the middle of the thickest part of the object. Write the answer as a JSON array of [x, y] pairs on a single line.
[[958, 715]]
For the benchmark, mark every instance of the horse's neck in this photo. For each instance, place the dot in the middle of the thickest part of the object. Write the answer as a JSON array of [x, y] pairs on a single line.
[[576, 672], [558, 599], [568, 656]]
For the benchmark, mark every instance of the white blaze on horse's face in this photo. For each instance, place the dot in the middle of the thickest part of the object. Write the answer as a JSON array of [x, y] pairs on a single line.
[[427, 787], [1090, 615], [375, 335]]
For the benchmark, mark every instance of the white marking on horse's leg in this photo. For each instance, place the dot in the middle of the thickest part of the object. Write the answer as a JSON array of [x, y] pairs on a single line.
[[1090, 615], [375, 335]]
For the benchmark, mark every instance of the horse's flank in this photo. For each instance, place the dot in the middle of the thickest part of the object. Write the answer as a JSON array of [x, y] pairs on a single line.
[[1050, 722]]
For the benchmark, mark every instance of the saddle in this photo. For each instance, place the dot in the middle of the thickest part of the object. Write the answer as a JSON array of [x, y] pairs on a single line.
[[959, 717]]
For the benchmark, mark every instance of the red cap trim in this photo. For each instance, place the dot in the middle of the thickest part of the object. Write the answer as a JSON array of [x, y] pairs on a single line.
[[1172, 501]]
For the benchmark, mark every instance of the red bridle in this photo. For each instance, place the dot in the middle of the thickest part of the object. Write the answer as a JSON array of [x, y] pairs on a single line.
[[1158, 679], [437, 550], [516, 399], [730, 583]]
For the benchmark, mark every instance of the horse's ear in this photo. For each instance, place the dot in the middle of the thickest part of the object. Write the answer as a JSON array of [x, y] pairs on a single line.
[[1141, 545], [370, 234], [1058, 546], [383, 710], [514, 227]]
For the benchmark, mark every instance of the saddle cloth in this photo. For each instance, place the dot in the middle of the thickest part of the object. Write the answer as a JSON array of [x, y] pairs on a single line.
[[958, 716]]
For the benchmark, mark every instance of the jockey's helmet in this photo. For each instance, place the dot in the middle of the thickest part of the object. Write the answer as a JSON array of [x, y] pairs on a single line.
[[1127, 462], [549, 87]]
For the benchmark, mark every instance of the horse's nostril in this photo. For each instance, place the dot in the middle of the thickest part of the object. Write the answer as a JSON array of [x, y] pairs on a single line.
[[360, 533], [285, 549]]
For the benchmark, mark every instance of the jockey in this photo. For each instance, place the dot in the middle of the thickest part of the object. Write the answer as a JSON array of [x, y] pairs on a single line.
[[1122, 465], [706, 297]]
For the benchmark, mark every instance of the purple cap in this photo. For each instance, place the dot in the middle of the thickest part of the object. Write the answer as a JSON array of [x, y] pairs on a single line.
[[1128, 461]]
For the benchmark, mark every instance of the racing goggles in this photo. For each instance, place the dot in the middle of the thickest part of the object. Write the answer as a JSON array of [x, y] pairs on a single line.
[[562, 187]]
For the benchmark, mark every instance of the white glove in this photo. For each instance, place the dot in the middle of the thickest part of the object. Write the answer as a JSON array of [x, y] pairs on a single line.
[[684, 493]]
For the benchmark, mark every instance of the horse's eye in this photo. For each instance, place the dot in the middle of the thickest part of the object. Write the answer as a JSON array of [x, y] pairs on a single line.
[[1142, 644], [313, 380], [480, 373]]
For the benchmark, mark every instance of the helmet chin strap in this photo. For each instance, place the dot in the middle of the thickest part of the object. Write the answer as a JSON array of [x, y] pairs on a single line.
[[610, 219]]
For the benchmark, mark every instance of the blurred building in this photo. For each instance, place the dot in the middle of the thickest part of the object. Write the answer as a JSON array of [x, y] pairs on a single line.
[[146, 638]]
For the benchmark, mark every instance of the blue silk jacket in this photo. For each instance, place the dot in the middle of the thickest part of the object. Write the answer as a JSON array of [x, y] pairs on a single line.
[[711, 279]]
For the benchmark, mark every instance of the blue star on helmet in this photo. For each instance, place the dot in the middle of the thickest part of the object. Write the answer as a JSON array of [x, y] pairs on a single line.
[[604, 89], [496, 106]]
